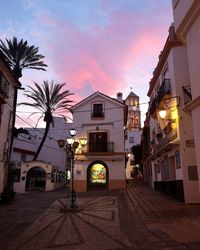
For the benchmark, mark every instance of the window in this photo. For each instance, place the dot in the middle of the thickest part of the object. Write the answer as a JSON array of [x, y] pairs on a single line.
[[136, 120], [23, 157], [132, 102], [97, 110], [177, 159], [192, 173], [165, 168], [98, 174], [16, 175], [98, 142], [158, 167]]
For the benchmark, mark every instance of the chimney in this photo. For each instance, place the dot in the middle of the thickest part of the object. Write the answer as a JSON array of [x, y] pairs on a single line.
[[119, 97]]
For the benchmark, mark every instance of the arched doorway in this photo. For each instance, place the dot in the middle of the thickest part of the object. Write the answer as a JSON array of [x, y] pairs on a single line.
[[36, 179], [97, 176]]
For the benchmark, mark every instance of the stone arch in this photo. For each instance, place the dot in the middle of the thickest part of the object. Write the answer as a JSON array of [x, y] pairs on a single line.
[[35, 178], [97, 176]]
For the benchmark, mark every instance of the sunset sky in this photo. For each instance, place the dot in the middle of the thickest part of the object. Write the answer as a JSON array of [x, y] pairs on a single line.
[[91, 45]]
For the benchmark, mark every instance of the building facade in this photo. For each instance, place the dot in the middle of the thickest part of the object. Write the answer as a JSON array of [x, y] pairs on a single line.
[[8, 83], [170, 163], [101, 164], [132, 131], [31, 175], [187, 29]]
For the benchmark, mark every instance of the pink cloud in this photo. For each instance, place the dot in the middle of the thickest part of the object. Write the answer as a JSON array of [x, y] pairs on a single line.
[[106, 58], [102, 57]]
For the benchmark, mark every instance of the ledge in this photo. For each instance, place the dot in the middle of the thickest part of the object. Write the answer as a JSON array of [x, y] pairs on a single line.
[[192, 105]]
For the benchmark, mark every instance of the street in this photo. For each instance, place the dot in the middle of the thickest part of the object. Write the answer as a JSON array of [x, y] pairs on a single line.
[[137, 218]]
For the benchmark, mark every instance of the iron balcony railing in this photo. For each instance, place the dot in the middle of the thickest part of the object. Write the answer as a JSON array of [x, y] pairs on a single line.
[[187, 95], [164, 90], [99, 147]]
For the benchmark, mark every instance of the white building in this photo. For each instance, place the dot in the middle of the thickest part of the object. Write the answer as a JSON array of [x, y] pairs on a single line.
[[24, 148], [171, 164], [101, 165], [187, 28], [8, 84]]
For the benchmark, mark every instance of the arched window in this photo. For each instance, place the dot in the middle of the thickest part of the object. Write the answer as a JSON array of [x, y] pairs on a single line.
[[98, 174]]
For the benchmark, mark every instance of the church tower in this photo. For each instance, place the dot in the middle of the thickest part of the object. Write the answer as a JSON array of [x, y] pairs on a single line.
[[133, 116], [132, 130]]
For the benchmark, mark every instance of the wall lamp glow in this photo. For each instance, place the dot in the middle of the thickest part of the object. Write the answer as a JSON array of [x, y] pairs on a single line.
[[162, 113]]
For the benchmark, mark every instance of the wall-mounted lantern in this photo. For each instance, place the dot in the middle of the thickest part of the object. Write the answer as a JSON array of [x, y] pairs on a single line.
[[163, 113]]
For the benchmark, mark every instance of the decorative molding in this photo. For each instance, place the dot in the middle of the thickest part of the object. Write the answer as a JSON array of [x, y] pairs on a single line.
[[192, 105], [188, 20]]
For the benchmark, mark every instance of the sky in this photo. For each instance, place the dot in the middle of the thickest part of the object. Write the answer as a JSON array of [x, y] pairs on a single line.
[[109, 46]]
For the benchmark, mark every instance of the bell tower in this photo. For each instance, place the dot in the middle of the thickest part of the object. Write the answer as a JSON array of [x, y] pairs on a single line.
[[134, 114], [132, 131]]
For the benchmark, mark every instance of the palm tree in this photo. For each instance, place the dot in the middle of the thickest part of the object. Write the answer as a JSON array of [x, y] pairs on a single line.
[[48, 99], [19, 55]]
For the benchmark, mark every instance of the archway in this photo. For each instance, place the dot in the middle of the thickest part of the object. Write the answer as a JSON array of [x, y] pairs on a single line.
[[36, 179], [97, 176]]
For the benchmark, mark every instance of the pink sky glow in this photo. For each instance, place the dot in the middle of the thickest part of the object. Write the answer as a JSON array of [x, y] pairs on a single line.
[[94, 46]]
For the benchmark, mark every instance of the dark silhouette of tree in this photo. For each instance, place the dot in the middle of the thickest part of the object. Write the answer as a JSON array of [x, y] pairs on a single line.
[[48, 98], [19, 55]]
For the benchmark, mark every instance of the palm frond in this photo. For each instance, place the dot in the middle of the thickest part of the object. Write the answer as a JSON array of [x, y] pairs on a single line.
[[48, 97], [19, 55]]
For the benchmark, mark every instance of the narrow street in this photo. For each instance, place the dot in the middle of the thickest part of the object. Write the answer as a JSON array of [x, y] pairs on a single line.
[[139, 218]]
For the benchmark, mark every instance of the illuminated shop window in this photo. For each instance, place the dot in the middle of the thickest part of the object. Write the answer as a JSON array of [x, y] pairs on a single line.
[[98, 174]]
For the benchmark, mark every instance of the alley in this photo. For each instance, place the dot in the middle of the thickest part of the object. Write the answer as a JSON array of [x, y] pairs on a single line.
[[138, 218]]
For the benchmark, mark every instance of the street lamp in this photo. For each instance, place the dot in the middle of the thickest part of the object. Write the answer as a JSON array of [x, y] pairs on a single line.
[[71, 146], [73, 132], [83, 142]]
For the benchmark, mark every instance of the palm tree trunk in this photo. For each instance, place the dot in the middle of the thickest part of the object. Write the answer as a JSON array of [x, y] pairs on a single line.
[[42, 141]]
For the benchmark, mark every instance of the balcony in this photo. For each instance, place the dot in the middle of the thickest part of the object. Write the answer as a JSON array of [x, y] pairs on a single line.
[[165, 141], [187, 95], [164, 90], [99, 148]]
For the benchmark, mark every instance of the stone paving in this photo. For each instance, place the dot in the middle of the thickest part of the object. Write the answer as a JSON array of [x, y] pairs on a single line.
[[137, 218]]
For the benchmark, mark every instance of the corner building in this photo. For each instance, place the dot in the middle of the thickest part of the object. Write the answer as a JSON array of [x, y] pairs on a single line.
[[170, 166], [101, 164]]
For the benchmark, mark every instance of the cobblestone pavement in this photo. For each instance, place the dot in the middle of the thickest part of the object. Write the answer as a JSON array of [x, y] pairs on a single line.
[[137, 218]]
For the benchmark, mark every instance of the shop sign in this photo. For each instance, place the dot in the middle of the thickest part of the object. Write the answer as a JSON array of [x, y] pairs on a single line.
[[189, 143]]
